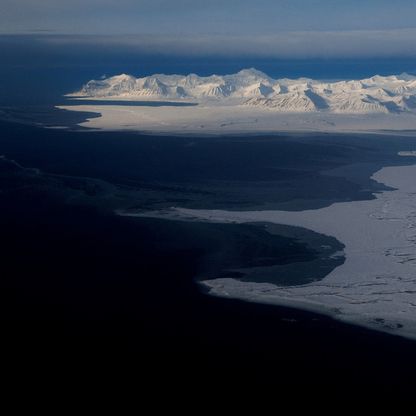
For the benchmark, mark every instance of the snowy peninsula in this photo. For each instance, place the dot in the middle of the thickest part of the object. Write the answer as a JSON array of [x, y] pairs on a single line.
[[247, 101]]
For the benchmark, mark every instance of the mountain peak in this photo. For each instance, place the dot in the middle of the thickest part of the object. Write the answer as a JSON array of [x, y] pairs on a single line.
[[252, 71], [378, 94]]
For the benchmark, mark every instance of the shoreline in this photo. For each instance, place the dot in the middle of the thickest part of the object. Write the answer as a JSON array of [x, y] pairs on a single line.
[[375, 286], [83, 119], [381, 297], [225, 120]]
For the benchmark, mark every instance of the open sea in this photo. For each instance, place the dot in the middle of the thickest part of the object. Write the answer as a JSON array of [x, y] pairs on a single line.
[[81, 282], [84, 291]]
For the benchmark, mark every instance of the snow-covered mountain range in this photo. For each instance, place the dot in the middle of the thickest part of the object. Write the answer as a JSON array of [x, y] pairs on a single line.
[[249, 87]]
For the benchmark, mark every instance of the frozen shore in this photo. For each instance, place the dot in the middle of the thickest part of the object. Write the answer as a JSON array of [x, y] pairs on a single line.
[[231, 119], [376, 286]]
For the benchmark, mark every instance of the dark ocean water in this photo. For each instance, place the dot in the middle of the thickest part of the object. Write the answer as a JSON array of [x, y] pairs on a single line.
[[36, 71], [109, 293], [46, 79], [107, 299]]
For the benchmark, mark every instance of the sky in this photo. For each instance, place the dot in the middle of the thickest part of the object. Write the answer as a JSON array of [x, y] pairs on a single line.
[[263, 28]]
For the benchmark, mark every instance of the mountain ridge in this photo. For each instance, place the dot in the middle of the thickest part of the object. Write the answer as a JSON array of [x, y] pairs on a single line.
[[250, 87]]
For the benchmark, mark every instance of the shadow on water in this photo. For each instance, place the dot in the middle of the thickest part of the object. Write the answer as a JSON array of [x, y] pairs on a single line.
[[83, 288]]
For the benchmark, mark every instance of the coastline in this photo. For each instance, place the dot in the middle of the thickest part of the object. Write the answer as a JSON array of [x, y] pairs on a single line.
[[230, 120], [280, 217], [124, 294], [375, 286]]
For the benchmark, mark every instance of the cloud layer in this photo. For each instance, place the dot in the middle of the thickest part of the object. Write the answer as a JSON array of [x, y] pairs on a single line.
[[261, 28], [304, 45]]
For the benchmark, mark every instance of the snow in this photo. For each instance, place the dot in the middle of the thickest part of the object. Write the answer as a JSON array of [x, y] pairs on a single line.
[[375, 287], [378, 94], [249, 101], [232, 119]]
